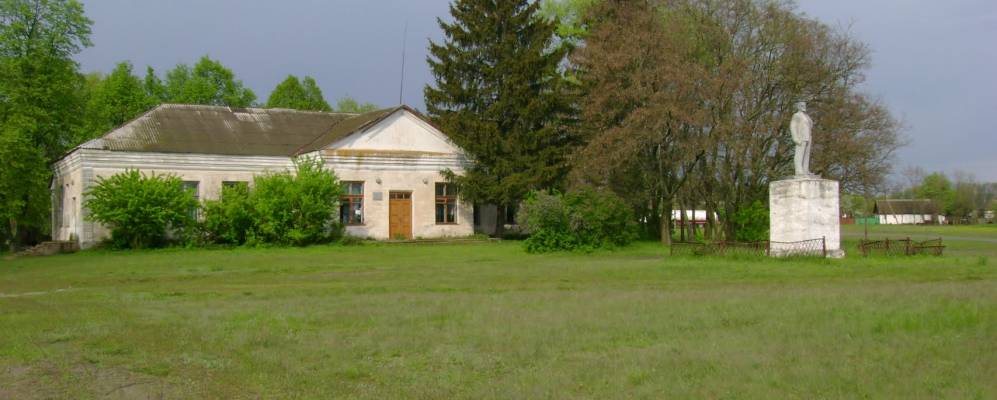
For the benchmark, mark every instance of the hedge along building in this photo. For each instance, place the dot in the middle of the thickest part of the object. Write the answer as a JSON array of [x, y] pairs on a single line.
[[389, 162]]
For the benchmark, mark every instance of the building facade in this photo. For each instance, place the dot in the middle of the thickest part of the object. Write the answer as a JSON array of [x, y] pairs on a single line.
[[388, 161], [907, 212]]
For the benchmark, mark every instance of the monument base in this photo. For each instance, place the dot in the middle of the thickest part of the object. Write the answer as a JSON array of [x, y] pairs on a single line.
[[802, 209]]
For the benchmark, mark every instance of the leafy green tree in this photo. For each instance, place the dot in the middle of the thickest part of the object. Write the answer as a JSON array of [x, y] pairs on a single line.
[[116, 99], [498, 93], [298, 95], [154, 86], [938, 188], [208, 82], [350, 105], [41, 98], [141, 210], [23, 183], [569, 15], [38, 77]]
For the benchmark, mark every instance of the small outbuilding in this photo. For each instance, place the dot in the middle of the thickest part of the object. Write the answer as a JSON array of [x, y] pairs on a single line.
[[389, 162], [902, 211]]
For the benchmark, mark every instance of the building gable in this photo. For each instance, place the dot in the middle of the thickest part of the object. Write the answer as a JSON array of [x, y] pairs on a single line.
[[400, 132]]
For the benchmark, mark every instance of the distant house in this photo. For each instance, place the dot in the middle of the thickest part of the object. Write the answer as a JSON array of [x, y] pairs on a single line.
[[388, 161], [692, 217], [895, 212]]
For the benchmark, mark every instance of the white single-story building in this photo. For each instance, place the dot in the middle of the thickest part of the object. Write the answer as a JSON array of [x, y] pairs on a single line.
[[903, 212], [389, 162]]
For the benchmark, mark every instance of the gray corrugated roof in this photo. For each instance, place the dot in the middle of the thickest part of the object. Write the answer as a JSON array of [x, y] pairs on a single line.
[[182, 128]]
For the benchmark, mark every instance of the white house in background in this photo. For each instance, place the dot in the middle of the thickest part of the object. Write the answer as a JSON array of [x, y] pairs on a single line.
[[389, 161], [900, 212], [692, 217]]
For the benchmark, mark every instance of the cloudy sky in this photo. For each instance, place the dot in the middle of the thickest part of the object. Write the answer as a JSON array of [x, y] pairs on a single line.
[[934, 62]]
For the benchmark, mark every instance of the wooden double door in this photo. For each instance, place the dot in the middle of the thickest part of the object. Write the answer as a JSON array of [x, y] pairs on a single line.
[[399, 215]]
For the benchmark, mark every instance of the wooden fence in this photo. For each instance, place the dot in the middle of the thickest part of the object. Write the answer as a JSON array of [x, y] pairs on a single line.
[[804, 248], [901, 247]]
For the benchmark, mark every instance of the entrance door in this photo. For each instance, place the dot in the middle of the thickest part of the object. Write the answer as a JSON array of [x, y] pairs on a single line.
[[399, 215]]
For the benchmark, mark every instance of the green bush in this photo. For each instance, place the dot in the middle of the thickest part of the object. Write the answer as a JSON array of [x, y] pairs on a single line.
[[141, 211], [281, 208], [585, 219], [752, 223], [229, 219]]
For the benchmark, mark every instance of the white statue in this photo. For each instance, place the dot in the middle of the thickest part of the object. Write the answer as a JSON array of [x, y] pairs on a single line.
[[800, 127]]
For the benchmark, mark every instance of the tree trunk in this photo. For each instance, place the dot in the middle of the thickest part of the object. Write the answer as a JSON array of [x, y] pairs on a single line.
[[12, 241], [500, 221], [684, 223], [710, 224], [666, 223], [652, 226]]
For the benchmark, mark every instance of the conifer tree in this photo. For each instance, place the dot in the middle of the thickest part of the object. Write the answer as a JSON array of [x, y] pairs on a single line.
[[498, 93]]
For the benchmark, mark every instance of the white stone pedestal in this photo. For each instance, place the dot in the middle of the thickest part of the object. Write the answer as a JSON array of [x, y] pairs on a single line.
[[804, 208]]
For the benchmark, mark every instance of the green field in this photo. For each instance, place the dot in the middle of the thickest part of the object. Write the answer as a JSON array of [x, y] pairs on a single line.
[[489, 321]]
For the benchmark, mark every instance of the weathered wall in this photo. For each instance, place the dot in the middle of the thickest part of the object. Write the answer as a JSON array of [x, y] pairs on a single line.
[[910, 219], [67, 218], [400, 131], [804, 209], [400, 153], [422, 185]]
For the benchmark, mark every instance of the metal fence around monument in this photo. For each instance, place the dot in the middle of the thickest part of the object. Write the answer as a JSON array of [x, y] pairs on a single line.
[[901, 247], [803, 248]]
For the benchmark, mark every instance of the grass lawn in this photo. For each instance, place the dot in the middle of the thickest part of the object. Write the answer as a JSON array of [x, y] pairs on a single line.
[[489, 321]]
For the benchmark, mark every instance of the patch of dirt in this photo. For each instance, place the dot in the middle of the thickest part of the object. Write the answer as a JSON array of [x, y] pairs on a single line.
[[47, 380]]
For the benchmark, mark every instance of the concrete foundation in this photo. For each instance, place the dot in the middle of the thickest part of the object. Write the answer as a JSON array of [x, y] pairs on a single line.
[[804, 208]]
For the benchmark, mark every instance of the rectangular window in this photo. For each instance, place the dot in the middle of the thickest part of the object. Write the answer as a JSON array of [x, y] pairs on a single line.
[[446, 203], [192, 187], [351, 204], [477, 215]]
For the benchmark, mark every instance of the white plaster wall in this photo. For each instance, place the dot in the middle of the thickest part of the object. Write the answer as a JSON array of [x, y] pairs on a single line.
[[413, 155], [804, 209], [909, 219], [400, 131], [422, 184], [69, 176]]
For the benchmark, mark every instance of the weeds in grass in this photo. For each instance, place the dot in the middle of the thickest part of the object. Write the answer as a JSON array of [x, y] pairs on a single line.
[[487, 320]]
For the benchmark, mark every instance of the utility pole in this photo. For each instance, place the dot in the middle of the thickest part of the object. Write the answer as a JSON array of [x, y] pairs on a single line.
[[401, 84]]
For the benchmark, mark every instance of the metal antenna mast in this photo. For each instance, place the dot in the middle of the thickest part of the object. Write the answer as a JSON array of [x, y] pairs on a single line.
[[401, 84]]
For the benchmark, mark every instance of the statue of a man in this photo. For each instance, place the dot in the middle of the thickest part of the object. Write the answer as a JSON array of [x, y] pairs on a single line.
[[800, 127]]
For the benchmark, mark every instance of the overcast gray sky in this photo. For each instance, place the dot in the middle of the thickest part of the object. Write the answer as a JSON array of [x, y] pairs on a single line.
[[934, 63]]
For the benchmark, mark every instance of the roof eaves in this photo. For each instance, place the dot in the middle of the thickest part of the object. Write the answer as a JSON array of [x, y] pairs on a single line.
[[101, 137]]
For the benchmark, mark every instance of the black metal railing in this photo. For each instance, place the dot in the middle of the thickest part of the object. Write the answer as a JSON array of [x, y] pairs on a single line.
[[901, 247]]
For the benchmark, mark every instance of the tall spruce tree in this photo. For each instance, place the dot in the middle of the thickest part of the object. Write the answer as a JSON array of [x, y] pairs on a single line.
[[498, 93]]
